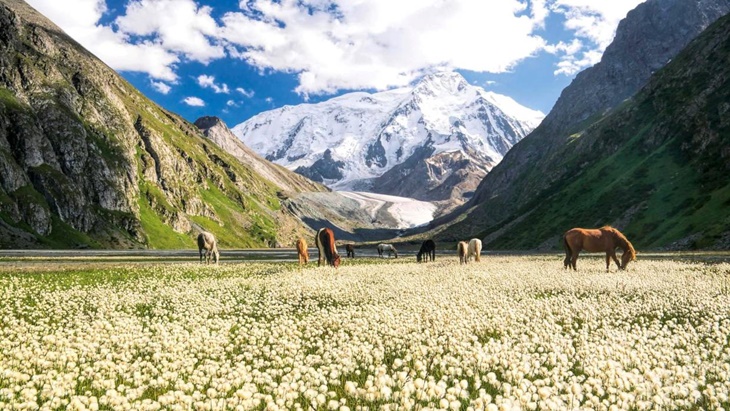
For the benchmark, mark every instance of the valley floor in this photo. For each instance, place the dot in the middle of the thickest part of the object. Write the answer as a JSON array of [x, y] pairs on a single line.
[[510, 332]]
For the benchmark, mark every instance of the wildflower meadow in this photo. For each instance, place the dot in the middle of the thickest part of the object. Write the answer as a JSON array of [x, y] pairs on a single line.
[[508, 333]]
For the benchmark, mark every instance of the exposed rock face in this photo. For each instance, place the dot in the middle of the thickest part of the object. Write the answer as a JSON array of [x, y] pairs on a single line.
[[86, 160], [655, 166], [650, 36]]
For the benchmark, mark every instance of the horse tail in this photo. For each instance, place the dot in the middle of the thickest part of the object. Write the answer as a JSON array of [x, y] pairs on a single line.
[[568, 251]]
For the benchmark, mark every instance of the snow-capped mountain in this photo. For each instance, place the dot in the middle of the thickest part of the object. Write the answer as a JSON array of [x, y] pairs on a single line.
[[442, 135]]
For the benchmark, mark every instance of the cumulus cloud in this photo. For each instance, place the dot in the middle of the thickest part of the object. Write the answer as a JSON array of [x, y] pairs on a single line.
[[180, 26], [595, 23], [206, 81], [194, 101], [160, 87], [333, 45], [112, 47], [379, 44]]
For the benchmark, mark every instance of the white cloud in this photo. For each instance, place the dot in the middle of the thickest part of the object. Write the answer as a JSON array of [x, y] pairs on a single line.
[[180, 26], [594, 22], [339, 44], [244, 92], [160, 87], [231, 103], [209, 82], [194, 101], [114, 48]]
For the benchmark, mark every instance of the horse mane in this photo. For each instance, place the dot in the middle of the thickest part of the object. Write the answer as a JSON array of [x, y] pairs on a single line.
[[622, 241]]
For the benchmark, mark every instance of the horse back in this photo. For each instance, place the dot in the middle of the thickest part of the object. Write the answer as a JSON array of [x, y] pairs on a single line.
[[589, 239]]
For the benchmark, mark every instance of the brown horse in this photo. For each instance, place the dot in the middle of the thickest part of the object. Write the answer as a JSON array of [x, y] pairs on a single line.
[[350, 250], [461, 250], [325, 241], [605, 239], [302, 251]]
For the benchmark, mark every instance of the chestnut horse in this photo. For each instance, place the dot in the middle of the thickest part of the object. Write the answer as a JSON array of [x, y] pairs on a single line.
[[325, 240], [429, 249], [350, 250], [461, 249], [207, 247], [302, 251], [605, 239]]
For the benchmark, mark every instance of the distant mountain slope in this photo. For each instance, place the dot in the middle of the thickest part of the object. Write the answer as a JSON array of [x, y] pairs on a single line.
[[217, 131], [88, 161], [443, 136], [656, 167]]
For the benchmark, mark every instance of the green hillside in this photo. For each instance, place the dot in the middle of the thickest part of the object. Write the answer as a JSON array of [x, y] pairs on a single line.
[[657, 166], [87, 161]]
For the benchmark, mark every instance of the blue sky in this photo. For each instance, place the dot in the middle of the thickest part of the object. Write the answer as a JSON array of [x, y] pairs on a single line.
[[235, 59]]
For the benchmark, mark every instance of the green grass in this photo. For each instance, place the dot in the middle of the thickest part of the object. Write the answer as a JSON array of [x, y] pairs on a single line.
[[160, 235]]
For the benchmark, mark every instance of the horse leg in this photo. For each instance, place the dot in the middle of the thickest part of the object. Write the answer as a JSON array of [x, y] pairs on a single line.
[[615, 259], [608, 261], [573, 260]]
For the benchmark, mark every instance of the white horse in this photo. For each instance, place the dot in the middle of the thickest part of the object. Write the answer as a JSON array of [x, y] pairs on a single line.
[[206, 241], [475, 249], [387, 247]]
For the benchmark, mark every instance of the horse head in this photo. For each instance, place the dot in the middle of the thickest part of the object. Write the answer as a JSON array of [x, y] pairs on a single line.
[[419, 257], [628, 256], [336, 261]]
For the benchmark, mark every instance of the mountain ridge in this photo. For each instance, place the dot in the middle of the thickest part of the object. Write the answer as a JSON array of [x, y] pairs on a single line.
[[88, 161], [640, 167], [356, 141]]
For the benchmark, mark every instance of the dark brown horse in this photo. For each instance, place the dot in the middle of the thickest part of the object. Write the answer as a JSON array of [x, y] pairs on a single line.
[[429, 249], [325, 240], [605, 239], [461, 249], [350, 250]]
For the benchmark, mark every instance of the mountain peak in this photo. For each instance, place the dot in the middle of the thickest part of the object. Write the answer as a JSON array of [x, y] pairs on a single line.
[[208, 122], [449, 82]]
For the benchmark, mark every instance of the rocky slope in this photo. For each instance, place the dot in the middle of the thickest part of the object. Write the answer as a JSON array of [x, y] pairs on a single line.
[[216, 130], [442, 135], [655, 166], [87, 161]]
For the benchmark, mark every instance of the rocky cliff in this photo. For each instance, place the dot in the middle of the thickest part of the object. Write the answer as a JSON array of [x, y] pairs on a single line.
[[650, 36], [87, 161]]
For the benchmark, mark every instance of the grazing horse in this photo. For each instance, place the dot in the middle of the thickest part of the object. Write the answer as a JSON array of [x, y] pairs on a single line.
[[302, 251], [206, 241], [605, 239], [325, 241], [350, 250], [387, 247], [475, 249], [461, 251], [429, 249]]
